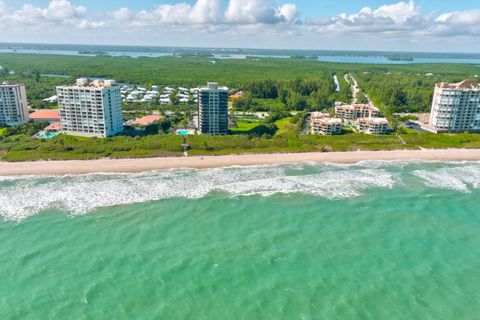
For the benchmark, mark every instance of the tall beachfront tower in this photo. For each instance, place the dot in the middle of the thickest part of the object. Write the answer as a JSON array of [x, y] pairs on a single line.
[[213, 109], [455, 107], [91, 109], [13, 105]]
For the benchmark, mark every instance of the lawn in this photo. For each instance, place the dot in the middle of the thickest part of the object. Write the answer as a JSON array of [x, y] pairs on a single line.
[[285, 126], [244, 127]]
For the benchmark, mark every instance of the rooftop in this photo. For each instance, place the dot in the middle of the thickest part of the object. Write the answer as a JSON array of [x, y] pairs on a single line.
[[56, 126], [356, 106], [333, 121], [147, 120], [213, 86], [373, 120], [45, 114], [6, 84], [316, 115], [465, 84], [86, 83]]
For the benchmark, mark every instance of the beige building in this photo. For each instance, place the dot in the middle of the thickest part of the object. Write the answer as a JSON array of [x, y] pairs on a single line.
[[92, 109], [326, 126], [455, 107], [13, 105], [373, 125], [356, 111]]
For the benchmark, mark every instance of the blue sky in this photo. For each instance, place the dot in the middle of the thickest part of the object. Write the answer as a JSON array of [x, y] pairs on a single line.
[[319, 7], [413, 25]]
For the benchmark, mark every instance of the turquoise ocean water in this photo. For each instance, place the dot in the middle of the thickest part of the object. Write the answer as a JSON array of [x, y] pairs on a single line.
[[375, 240]]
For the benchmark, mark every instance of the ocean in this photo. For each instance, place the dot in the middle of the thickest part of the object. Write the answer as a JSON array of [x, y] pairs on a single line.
[[374, 240]]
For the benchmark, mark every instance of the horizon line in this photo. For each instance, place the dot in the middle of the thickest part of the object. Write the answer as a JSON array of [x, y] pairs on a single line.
[[230, 48]]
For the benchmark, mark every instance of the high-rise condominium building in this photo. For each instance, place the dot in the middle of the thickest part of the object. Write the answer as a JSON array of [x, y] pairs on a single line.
[[213, 109], [92, 109], [455, 107], [13, 105]]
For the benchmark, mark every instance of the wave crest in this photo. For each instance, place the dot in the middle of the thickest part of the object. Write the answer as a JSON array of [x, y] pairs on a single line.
[[21, 198]]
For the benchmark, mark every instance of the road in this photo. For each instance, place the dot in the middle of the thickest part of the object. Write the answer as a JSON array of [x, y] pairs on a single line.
[[356, 89]]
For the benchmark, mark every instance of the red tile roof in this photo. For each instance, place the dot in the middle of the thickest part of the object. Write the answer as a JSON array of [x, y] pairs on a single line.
[[147, 120], [56, 126], [45, 114]]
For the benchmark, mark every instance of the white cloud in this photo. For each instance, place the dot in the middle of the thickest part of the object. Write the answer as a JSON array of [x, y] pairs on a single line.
[[400, 16], [463, 18], [202, 12], [246, 19], [60, 10], [3, 9], [260, 11]]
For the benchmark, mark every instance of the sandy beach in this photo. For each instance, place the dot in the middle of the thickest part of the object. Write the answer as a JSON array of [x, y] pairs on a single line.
[[199, 162]]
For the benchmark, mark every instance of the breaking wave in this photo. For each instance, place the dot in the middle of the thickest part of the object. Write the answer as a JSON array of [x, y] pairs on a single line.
[[22, 197], [461, 178], [27, 196]]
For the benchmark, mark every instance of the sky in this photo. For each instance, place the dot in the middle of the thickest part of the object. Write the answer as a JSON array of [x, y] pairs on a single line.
[[409, 25]]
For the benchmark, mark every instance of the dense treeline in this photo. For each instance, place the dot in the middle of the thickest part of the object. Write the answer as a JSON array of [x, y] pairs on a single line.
[[194, 70], [38, 87], [401, 92], [298, 94]]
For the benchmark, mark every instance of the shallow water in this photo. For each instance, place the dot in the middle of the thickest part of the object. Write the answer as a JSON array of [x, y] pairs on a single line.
[[376, 240]]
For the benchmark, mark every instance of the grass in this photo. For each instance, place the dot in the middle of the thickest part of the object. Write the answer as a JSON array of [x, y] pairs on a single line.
[[245, 126], [285, 126], [2, 131], [442, 141]]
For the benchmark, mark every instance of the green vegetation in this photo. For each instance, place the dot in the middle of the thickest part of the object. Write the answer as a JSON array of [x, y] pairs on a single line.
[[243, 127], [285, 125], [28, 129], [298, 94], [401, 88], [277, 86], [264, 137]]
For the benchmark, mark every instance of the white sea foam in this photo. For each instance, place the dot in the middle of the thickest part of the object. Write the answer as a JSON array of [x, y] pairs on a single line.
[[24, 197], [462, 178]]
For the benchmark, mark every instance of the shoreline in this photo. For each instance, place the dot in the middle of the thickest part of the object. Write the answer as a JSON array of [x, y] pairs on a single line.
[[205, 162]]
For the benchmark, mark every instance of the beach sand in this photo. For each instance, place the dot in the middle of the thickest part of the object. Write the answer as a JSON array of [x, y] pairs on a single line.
[[149, 164]]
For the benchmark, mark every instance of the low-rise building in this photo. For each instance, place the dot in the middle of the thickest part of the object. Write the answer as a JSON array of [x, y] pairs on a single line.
[[147, 120], [356, 111], [54, 128], [319, 115], [455, 107], [373, 125], [13, 105], [326, 126], [50, 116]]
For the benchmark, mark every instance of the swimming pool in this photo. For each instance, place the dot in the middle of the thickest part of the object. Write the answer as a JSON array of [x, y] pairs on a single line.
[[48, 135], [184, 132]]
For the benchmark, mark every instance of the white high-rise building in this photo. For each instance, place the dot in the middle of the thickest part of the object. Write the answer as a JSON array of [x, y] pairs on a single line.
[[455, 107], [92, 109], [13, 105], [213, 109]]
